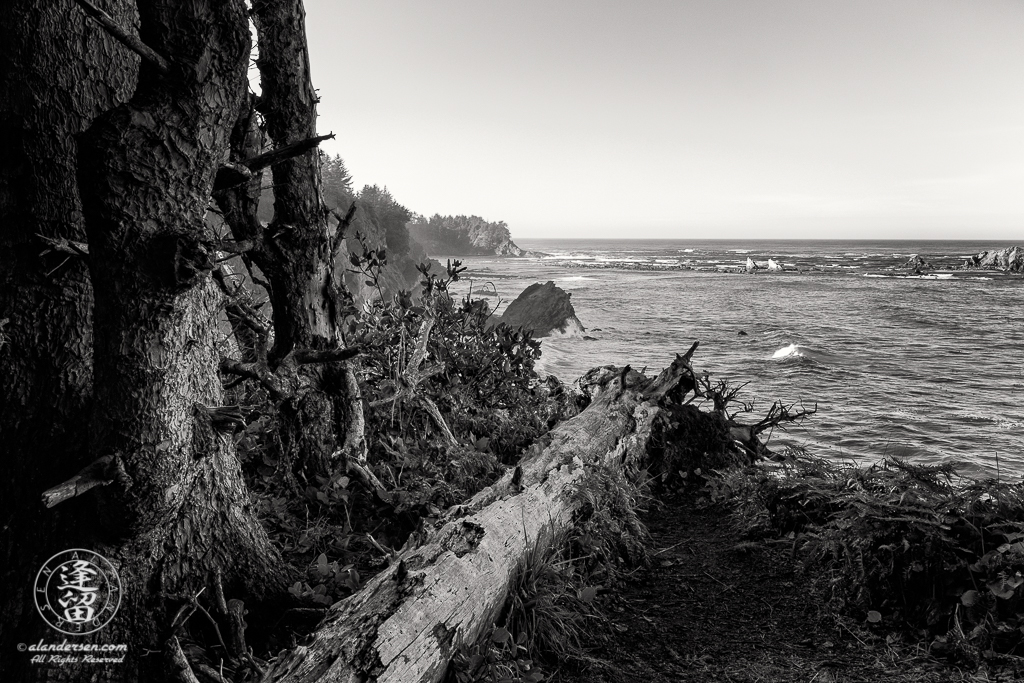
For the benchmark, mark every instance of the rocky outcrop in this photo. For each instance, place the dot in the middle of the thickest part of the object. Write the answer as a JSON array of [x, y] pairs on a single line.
[[916, 265], [770, 265], [545, 309], [510, 248], [1010, 259]]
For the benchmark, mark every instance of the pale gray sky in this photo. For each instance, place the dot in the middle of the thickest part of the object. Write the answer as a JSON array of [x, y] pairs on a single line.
[[699, 118]]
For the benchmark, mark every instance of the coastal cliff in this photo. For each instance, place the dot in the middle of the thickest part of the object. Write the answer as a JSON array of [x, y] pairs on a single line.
[[380, 223], [464, 236]]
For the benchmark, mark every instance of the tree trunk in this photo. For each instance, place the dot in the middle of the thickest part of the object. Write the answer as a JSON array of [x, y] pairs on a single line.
[[407, 622], [48, 93], [300, 261], [177, 511], [296, 251]]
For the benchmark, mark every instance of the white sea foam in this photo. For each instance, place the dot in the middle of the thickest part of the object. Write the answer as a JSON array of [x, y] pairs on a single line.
[[800, 351], [789, 351]]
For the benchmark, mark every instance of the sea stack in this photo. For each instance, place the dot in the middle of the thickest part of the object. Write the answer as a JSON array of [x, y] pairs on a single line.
[[545, 309]]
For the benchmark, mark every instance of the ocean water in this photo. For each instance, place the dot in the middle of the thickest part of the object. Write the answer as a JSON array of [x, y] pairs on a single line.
[[929, 369]]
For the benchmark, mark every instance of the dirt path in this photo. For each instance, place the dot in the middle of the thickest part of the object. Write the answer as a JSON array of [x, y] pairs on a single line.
[[713, 607]]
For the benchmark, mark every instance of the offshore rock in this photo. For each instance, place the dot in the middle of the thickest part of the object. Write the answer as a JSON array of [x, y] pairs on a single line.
[[510, 248], [545, 309], [1010, 259], [917, 265]]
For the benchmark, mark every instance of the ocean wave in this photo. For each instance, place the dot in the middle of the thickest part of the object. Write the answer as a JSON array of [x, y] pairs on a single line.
[[575, 278], [799, 351], [561, 256]]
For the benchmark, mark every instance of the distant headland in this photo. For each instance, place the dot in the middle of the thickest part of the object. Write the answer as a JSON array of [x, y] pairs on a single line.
[[464, 236]]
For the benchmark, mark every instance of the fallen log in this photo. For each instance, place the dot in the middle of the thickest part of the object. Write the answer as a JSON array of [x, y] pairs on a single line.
[[449, 584]]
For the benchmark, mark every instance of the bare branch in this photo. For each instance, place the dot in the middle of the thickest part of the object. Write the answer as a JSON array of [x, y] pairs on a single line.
[[420, 353], [413, 374], [343, 223], [439, 419], [280, 154], [66, 246], [179, 668], [124, 37], [307, 357], [780, 414], [258, 372], [100, 473], [238, 308], [235, 246]]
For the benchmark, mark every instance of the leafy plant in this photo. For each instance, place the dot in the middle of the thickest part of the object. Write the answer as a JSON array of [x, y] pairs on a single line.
[[449, 400]]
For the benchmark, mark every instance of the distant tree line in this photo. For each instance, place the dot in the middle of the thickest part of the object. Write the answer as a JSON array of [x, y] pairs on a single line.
[[461, 234]]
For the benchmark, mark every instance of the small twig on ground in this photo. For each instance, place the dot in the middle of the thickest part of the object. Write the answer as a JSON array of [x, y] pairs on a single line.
[[720, 583], [665, 550]]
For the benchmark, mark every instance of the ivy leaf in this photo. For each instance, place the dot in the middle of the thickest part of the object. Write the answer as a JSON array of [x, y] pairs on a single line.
[[1000, 589], [874, 617], [970, 598], [501, 636]]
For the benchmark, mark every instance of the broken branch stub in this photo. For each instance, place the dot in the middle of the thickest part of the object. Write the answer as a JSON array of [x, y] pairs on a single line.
[[100, 472]]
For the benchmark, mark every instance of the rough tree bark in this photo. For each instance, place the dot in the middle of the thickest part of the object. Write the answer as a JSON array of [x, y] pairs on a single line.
[[442, 593], [179, 512], [176, 512], [48, 93]]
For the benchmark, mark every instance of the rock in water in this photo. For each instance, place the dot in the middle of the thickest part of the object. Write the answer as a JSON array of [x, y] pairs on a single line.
[[917, 265], [545, 309], [751, 266], [1011, 259], [773, 265]]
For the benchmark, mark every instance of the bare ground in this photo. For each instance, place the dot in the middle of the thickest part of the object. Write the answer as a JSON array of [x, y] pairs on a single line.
[[715, 607]]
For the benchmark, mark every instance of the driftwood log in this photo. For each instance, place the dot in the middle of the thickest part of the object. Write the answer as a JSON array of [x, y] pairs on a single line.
[[444, 589]]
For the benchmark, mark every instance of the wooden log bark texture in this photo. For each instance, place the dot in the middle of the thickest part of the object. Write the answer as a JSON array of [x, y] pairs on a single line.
[[449, 584]]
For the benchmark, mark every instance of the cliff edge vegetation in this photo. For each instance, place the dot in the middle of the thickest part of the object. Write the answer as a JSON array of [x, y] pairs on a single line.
[[464, 236]]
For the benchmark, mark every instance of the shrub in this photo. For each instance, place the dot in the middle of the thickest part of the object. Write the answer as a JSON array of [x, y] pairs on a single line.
[[906, 546]]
